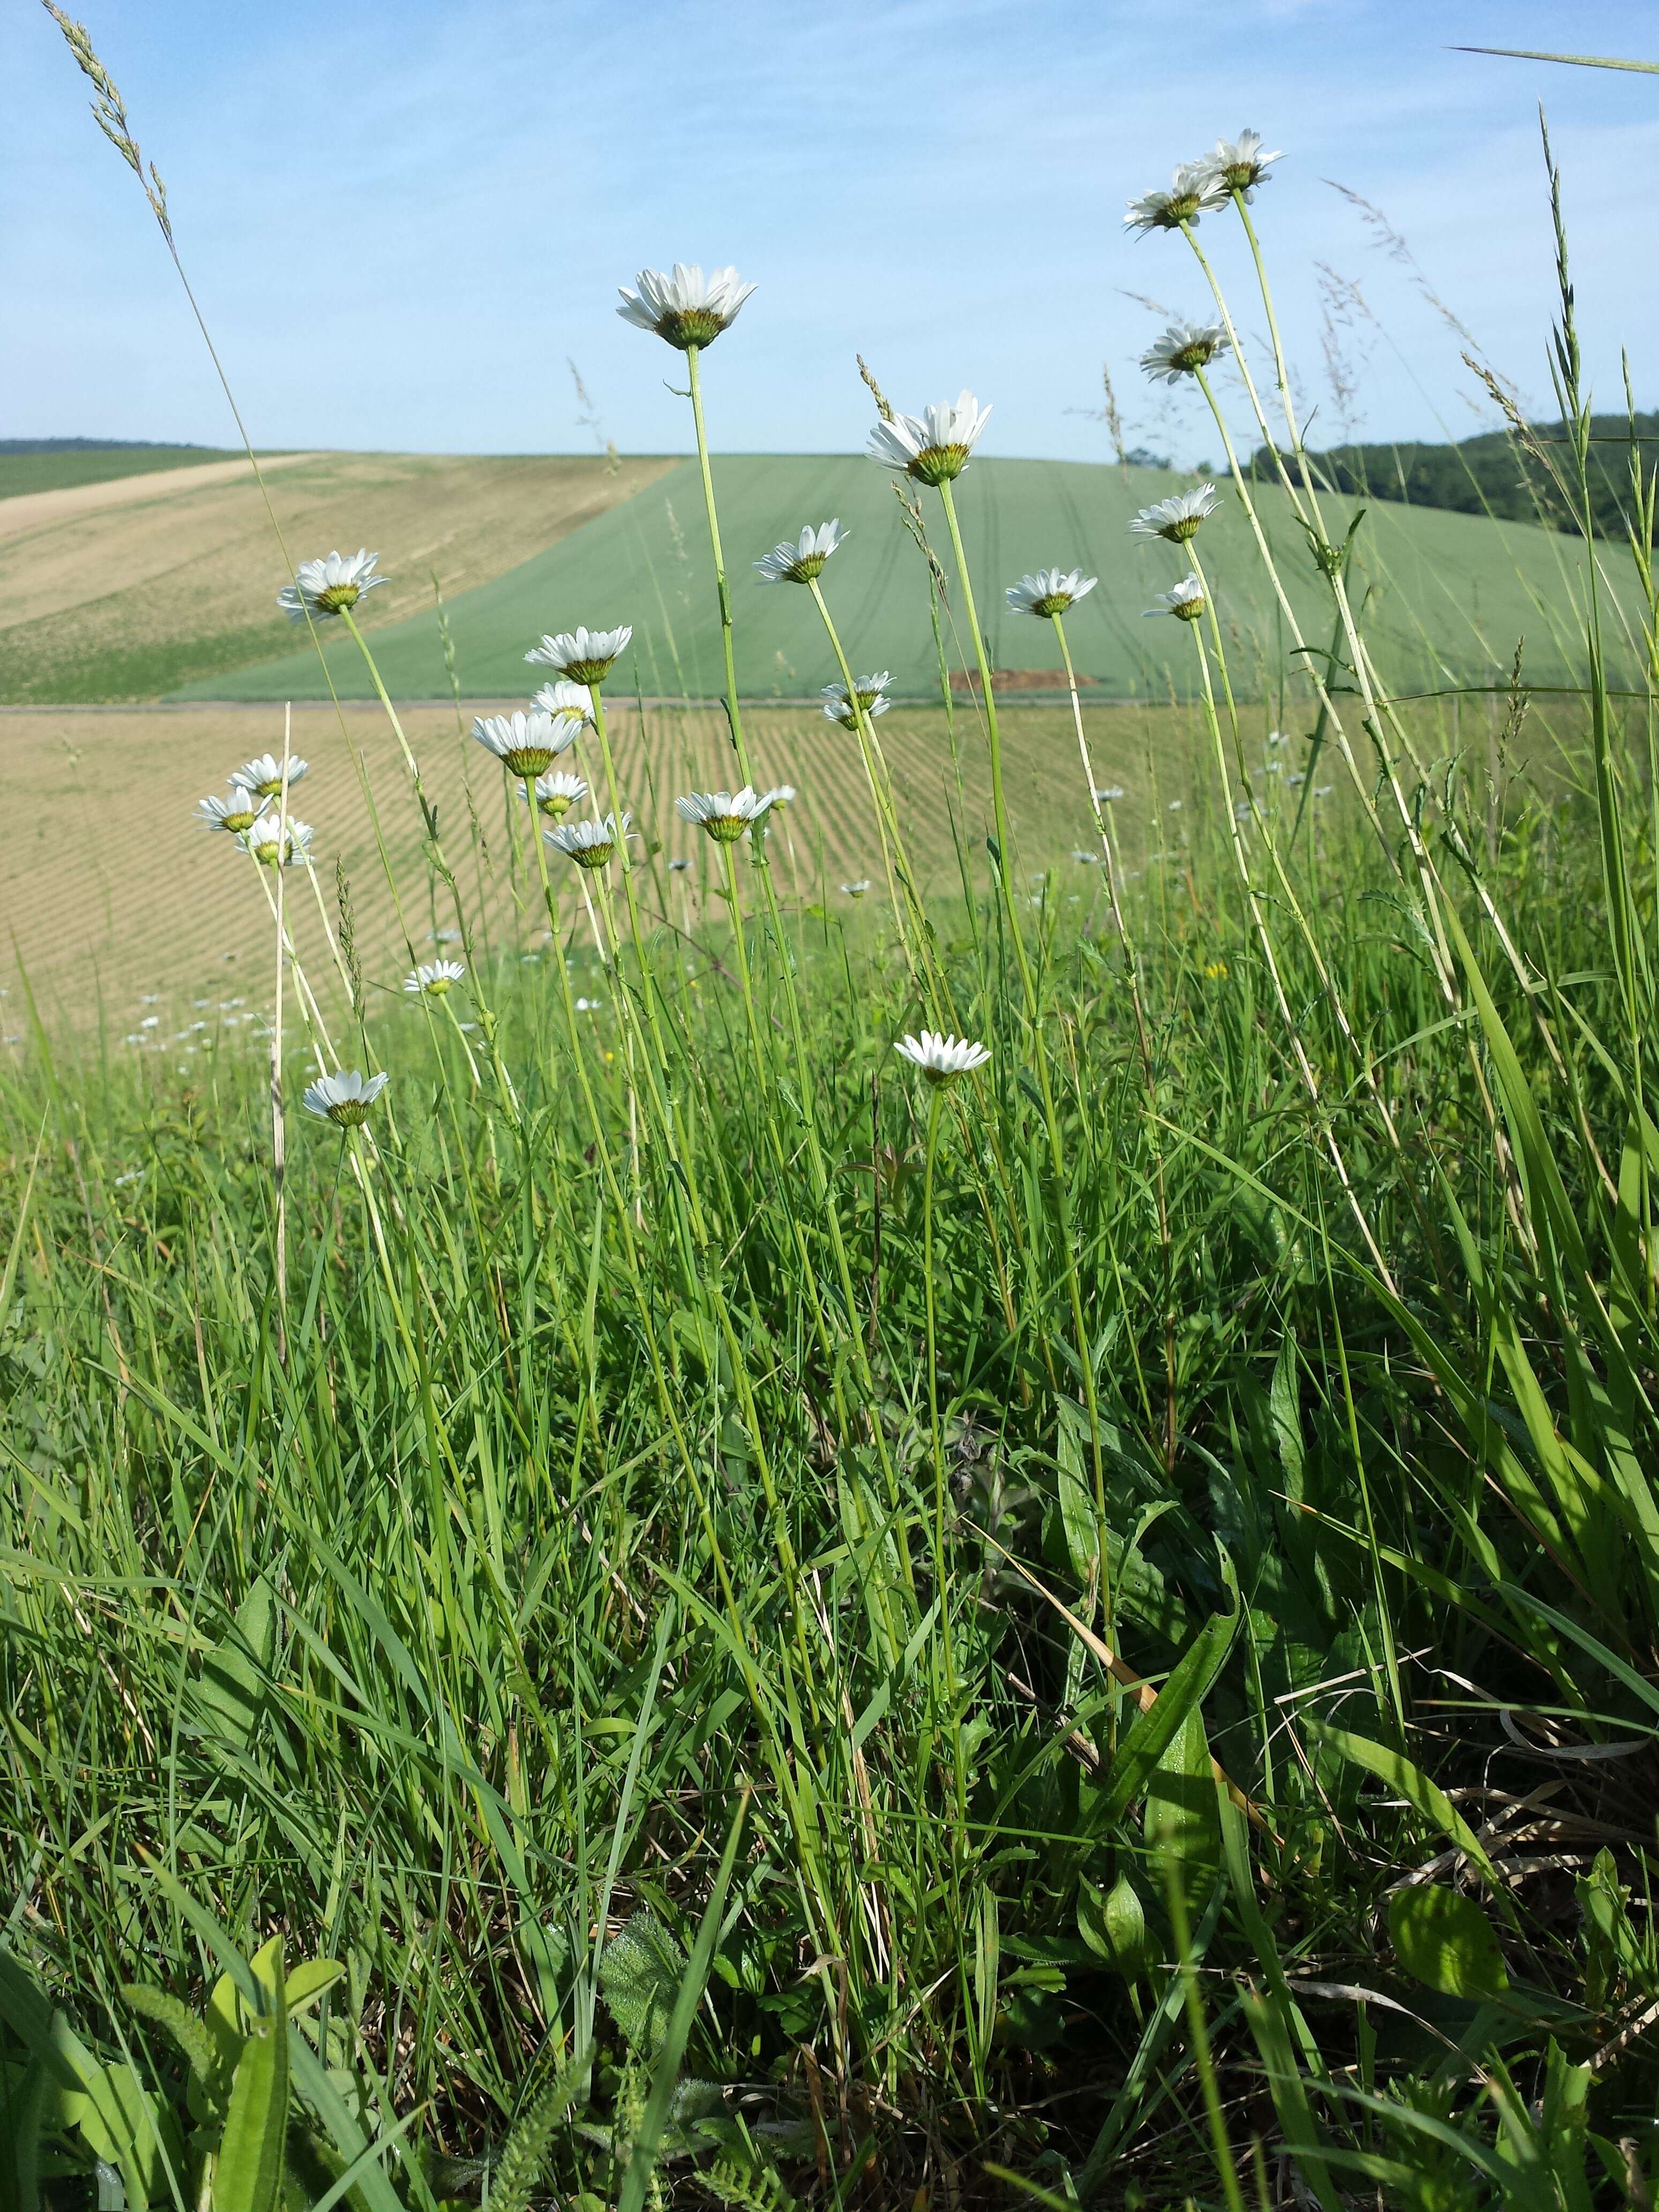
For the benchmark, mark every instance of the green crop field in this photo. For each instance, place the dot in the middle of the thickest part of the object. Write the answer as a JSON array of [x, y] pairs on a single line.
[[60, 470], [1448, 596]]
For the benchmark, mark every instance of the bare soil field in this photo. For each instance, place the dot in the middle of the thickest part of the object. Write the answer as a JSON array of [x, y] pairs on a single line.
[[104, 908], [130, 589]]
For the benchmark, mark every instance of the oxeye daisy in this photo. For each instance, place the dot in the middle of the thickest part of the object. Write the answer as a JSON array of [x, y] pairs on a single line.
[[237, 812], [724, 814], [526, 743], [934, 446], [856, 890], [1178, 517], [1050, 593], [683, 306], [434, 978], [556, 793], [942, 1059], [1194, 187], [584, 655], [1238, 165], [563, 697], [800, 563], [263, 776], [344, 1098], [1182, 350], [1106, 794], [1185, 602], [678, 867], [327, 587], [783, 794], [589, 844], [264, 838], [868, 691]]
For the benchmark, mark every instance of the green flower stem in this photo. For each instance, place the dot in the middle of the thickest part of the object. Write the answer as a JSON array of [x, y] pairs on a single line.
[[1039, 1049], [734, 714], [1292, 1029], [941, 1487], [1142, 1039]]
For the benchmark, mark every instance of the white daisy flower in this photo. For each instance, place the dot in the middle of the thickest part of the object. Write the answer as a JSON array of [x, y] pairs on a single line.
[[1323, 790], [724, 814], [239, 811], [556, 793], [1050, 593], [589, 844], [589, 1006], [434, 978], [437, 937], [1108, 791], [1084, 859], [783, 794], [263, 839], [683, 306], [1239, 165], [800, 563], [1178, 517], [941, 1058], [326, 587], [856, 890], [1182, 350], [679, 868], [584, 655], [1277, 738], [564, 697], [1174, 806], [526, 743], [934, 448], [1185, 602], [263, 776], [869, 691], [345, 1098], [1194, 187]]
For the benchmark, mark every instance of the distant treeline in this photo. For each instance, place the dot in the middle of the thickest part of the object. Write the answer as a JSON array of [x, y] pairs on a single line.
[[101, 445], [1491, 473]]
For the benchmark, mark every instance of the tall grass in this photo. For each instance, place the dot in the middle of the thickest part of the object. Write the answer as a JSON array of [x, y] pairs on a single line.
[[1089, 1635]]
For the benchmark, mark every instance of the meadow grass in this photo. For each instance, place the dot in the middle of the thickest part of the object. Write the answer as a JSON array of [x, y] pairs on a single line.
[[678, 1613]]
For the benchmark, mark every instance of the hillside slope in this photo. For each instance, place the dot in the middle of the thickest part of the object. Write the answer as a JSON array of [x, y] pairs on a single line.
[[1450, 595]]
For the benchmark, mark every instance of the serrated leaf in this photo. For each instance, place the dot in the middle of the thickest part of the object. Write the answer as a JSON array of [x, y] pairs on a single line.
[[1444, 1941], [640, 1974]]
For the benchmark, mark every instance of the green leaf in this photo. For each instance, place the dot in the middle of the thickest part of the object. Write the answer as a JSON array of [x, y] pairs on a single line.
[[1077, 1507], [230, 1692], [186, 2029], [1444, 1941], [1180, 1821], [1156, 1729], [1113, 1925], [639, 1974], [1410, 1783], [248, 2175]]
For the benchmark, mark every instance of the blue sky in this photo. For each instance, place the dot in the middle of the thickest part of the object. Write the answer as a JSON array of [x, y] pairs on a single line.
[[402, 220]]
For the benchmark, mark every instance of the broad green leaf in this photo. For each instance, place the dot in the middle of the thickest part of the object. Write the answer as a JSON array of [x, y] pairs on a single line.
[[1154, 1731], [1077, 1507], [1113, 1924], [229, 1694], [1445, 1942], [1180, 1821], [638, 1973], [248, 2174]]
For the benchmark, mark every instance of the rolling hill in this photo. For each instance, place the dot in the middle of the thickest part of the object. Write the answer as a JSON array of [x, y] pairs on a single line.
[[1450, 595]]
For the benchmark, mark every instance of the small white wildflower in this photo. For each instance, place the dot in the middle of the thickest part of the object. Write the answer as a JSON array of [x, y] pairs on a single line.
[[683, 306], [679, 868], [856, 890], [433, 979], [1108, 793], [1297, 775], [345, 1098], [1182, 350], [1194, 186], [1050, 593], [265, 839], [150, 1022], [1185, 602], [1277, 737], [1174, 806], [328, 586], [869, 691], [724, 814], [556, 793], [526, 743], [589, 844], [800, 563], [1084, 859], [589, 1006], [783, 794], [1239, 165], [132, 1174], [934, 446], [263, 776], [1323, 790], [434, 936], [942, 1059], [586, 656], [235, 813], [562, 697], [1178, 517]]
